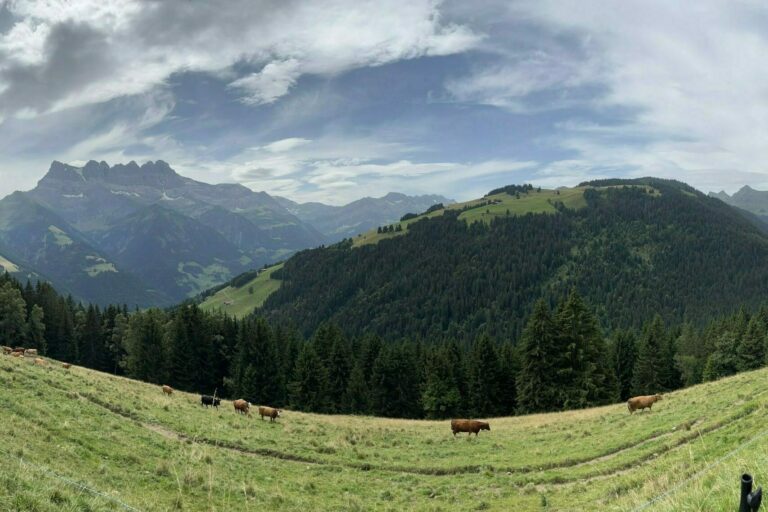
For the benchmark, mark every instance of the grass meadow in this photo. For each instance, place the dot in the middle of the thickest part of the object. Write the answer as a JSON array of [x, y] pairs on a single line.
[[130, 444]]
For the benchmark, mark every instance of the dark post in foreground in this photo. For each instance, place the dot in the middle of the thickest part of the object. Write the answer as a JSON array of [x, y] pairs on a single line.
[[750, 501]]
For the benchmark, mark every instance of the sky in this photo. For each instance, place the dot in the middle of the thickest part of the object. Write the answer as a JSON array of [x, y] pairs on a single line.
[[335, 100]]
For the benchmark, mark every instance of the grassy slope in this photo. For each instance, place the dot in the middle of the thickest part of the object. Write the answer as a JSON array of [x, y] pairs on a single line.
[[129, 441], [241, 302], [535, 202]]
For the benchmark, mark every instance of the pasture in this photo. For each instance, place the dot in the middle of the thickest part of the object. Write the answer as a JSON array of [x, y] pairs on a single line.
[[240, 302], [129, 443]]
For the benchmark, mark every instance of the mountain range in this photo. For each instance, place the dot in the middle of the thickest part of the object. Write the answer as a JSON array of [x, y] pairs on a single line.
[[145, 235], [748, 199]]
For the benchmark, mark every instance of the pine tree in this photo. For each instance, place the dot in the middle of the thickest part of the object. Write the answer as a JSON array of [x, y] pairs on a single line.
[[357, 398], [143, 346], [588, 378], [724, 360], [484, 377], [394, 383], [751, 349], [36, 329], [624, 356], [337, 370], [691, 355], [13, 315], [647, 378], [538, 387], [309, 379], [441, 397], [255, 354]]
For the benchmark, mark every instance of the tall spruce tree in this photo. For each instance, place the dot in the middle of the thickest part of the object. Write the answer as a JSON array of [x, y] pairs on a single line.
[[538, 385], [691, 355], [624, 357], [440, 397], [751, 348], [588, 378], [724, 360], [647, 377], [484, 378], [309, 380]]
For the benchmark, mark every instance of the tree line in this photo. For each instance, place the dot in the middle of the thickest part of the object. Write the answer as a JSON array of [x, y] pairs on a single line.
[[563, 359]]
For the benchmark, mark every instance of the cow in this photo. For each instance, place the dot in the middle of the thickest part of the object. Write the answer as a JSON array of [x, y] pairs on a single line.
[[242, 407], [66, 366], [168, 390], [207, 400], [30, 352], [40, 362], [18, 354], [642, 402], [7, 350], [469, 426], [269, 412]]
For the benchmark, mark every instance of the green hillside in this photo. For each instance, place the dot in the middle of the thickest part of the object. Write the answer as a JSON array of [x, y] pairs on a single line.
[[632, 248], [242, 300], [73, 434]]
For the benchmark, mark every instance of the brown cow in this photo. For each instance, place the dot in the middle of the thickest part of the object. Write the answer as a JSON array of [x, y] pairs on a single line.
[[7, 350], [269, 412], [40, 362], [66, 366], [242, 406], [469, 426], [168, 390], [642, 402], [30, 352], [18, 354]]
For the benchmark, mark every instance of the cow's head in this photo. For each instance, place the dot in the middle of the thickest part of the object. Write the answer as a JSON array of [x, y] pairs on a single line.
[[657, 397], [485, 426]]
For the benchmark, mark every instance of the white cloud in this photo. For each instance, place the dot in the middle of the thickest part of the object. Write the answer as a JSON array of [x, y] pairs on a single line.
[[61, 54], [269, 84], [688, 82], [288, 144]]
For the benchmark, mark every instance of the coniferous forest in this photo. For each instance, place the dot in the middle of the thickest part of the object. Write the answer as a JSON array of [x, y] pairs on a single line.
[[636, 249], [564, 358]]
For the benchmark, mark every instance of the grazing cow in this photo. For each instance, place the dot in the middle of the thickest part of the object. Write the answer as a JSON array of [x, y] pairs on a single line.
[[168, 390], [269, 412], [7, 350], [66, 366], [207, 400], [242, 406], [30, 352], [18, 354], [469, 426], [40, 361], [642, 402]]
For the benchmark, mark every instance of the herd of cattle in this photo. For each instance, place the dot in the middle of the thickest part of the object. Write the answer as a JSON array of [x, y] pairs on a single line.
[[241, 406], [244, 407]]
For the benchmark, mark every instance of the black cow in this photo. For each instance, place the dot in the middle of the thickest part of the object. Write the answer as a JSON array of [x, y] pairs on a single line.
[[207, 400]]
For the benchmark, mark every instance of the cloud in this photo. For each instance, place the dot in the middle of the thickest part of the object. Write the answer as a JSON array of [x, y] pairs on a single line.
[[288, 144], [338, 170], [60, 55], [269, 84], [679, 88]]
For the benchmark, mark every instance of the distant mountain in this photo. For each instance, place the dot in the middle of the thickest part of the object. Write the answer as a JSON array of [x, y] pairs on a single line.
[[143, 234], [747, 198], [632, 248], [339, 222], [33, 237]]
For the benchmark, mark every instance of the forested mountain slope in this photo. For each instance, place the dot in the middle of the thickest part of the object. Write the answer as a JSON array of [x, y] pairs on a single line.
[[632, 248]]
